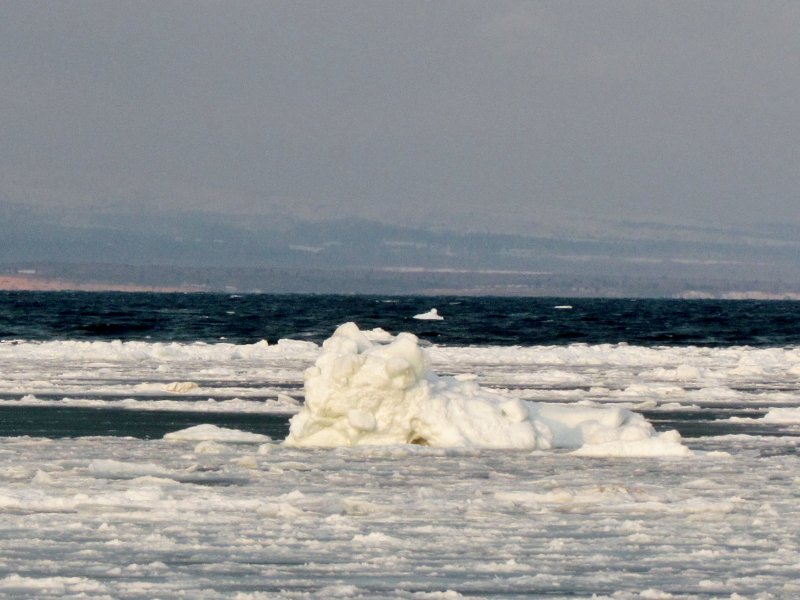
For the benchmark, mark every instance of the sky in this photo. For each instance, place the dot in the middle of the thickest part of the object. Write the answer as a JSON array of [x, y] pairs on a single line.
[[502, 116]]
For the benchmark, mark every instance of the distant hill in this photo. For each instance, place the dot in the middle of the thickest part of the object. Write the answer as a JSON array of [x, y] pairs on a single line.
[[174, 249]]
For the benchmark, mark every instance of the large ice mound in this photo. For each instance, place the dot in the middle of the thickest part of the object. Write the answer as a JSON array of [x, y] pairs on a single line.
[[361, 392]]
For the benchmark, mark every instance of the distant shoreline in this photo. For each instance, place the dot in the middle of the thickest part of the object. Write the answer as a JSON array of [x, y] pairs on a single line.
[[30, 283], [33, 283]]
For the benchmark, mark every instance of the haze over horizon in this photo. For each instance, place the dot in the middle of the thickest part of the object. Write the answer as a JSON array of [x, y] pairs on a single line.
[[614, 136]]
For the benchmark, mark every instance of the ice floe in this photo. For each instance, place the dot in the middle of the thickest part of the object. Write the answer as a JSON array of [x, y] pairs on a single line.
[[212, 433], [431, 315]]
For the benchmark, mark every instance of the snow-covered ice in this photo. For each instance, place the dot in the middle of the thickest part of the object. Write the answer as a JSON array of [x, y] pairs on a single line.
[[431, 315], [212, 433], [364, 393], [783, 415], [125, 518], [226, 515]]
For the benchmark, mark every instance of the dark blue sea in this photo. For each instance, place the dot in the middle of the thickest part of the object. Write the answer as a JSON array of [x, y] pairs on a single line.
[[467, 320]]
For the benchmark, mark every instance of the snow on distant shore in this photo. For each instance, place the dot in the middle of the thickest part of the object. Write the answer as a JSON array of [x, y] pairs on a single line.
[[37, 283]]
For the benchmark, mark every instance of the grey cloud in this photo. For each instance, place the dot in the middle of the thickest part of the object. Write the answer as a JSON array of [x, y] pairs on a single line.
[[505, 113]]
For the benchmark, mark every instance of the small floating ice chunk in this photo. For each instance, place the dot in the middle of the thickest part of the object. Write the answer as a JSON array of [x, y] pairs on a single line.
[[787, 416], [376, 538], [777, 416], [115, 469], [207, 432], [246, 462], [431, 315], [38, 587], [210, 447], [287, 401], [264, 449], [687, 372], [42, 478], [666, 444], [181, 387]]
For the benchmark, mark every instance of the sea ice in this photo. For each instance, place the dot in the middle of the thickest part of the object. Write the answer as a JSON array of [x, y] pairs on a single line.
[[212, 433], [120, 517], [777, 416], [431, 315], [788, 415], [363, 393], [115, 469], [181, 387], [390, 520]]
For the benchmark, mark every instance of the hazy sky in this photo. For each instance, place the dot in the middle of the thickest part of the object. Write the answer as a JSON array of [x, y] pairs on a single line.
[[500, 111]]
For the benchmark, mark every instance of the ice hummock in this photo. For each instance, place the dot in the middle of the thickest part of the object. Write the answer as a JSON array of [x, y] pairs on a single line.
[[360, 392]]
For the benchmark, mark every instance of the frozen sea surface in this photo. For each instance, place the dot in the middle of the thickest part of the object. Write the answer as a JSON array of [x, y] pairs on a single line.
[[129, 518], [216, 514]]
